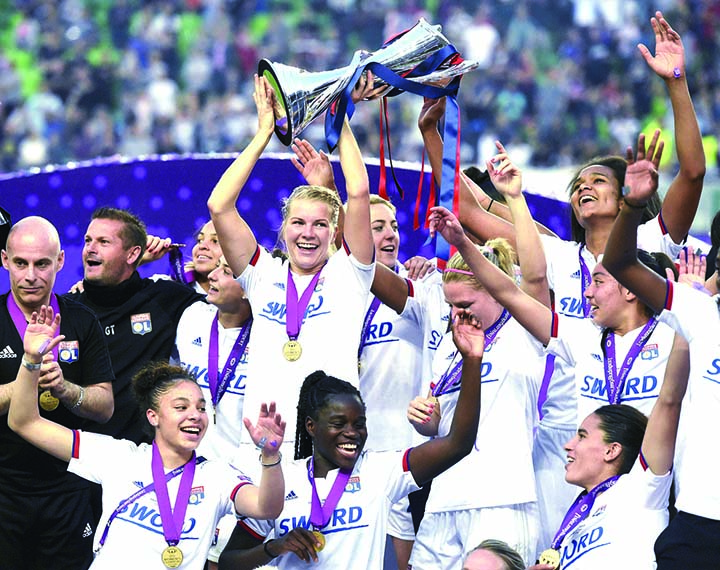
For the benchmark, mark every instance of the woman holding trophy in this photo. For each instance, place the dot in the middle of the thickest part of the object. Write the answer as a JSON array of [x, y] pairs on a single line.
[[316, 298]]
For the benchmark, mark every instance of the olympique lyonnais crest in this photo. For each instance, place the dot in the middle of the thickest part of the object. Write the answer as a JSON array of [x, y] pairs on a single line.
[[141, 324], [69, 351]]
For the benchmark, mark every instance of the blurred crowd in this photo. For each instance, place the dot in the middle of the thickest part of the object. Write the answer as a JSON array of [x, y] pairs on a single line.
[[561, 79]]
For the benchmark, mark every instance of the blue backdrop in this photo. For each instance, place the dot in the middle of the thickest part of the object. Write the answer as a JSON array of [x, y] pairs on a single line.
[[169, 194]]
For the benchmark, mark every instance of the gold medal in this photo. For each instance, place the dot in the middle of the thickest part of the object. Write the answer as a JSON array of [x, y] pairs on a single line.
[[320, 538], [550, 556], [48, 402], [292, 350], [172, 557]]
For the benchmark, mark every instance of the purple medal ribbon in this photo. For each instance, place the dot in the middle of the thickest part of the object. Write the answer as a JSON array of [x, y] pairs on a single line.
[[585, 278], [172, 518], [451, 378], [614, 380], [18, 318], [369, 316], [580, 509], [151, 487], [296, 308], [177, 267], [218, 388], [321, 513]]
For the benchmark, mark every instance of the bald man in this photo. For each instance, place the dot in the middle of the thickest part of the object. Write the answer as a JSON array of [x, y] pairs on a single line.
[[46, 519]]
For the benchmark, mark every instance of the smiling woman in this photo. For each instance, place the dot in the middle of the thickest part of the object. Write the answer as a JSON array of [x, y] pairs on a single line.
[[161, 502], [315, 298], [339, 494]]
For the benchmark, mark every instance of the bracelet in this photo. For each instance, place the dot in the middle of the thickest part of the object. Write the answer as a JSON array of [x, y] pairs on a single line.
[[265, 548], [79, 401], [32, 366], [279, 459], [490, 204]]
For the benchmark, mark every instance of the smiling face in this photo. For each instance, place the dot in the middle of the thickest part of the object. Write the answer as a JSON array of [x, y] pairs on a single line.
[[308, 233], [590, 459], [224, 291], [339, 433], [385, 234], [106, 260], [608, 299], [206, 252], [180, 420], [478, 302], [595, 194]]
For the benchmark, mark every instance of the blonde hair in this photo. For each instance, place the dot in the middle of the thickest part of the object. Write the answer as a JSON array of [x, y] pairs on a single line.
[[315, 194], [497, 251], [375, 199]]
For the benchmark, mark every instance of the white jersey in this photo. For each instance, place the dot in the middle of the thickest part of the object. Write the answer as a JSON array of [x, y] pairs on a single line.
[[192, 345], [695, 316], [135, 538], [390, 340], [565, 279], [356, 533], [505, 432], [578, 343], [622, 526], [329, 336]]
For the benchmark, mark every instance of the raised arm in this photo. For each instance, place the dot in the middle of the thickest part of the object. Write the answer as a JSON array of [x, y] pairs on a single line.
[[658, 446], [24, 417], [620, 258], [266, 500], [531, 314], [507, 178], [683, 196], [435, 456], [237, 239], [316, 169], [475, 218], [357, 185]]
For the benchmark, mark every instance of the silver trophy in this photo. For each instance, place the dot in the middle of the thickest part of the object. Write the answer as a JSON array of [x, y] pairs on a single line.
[[303, 95]]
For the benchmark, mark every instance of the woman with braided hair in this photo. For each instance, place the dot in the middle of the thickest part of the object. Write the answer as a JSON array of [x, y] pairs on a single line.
[[338, 495]]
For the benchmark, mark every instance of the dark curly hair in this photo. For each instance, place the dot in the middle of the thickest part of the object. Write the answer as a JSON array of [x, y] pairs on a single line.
[[155, 379]]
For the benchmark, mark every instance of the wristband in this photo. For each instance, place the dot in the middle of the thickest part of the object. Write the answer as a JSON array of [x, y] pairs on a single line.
[[265, 548], [490, 204], [279, 459], [30, 365]]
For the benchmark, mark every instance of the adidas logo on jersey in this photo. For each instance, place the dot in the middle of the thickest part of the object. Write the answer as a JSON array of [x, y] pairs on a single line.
[[576, 275], [88, 531], [197, 342], [7, 352], [290, 496], [280, 286]]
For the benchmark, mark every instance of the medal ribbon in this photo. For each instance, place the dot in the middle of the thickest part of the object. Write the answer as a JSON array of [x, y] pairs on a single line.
[[614, 380], [145, 490], [451, 378], [177, 267], [580, 509], [369, 316], [172, 518], [296, 308], [18, 318], [321, 513], [585, 279], [218, 388]]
